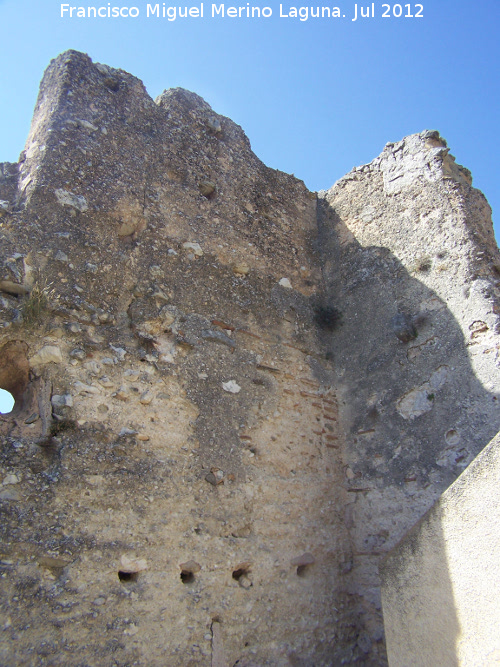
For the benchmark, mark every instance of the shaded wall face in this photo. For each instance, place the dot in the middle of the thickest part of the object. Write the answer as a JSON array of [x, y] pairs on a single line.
[[414, 351], [439, 585]]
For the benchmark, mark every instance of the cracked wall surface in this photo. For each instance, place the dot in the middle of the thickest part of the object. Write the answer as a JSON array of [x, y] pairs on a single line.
[[233, 396]]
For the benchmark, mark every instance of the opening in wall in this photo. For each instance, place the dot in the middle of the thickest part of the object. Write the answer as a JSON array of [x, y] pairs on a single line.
[[126, 577], [6, 402], [14, 376]]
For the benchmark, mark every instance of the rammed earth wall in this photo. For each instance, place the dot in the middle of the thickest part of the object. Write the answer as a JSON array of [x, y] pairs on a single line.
[[233, 396]]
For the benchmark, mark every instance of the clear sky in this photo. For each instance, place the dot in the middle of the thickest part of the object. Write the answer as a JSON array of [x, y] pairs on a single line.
[[6, 401], [315, 97]]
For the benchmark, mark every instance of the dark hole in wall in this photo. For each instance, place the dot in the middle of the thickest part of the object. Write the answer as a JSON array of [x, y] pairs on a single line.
[[240, 574], [187, 577], [303, 564], [237, 574], [188, 571], [127, 577]]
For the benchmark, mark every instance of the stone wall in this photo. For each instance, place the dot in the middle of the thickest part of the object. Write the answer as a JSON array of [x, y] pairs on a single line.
[[411, 265], [232, 396], [440, 586]]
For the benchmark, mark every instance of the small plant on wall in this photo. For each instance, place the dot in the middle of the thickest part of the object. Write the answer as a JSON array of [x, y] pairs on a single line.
[[36, 304]]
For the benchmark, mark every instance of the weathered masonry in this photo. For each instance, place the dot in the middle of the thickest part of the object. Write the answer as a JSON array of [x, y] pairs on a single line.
[[233, 397]]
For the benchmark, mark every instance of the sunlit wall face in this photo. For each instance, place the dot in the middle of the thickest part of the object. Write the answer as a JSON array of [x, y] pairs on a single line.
[[6, 401]]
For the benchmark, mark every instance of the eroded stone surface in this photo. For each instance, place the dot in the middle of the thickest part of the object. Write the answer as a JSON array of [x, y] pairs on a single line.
[[228, 373]]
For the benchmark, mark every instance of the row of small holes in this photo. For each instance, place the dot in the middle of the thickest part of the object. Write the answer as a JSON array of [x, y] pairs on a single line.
[[187, 577]]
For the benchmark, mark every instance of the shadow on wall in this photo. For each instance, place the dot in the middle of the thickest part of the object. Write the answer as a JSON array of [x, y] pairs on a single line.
[[413, 413]]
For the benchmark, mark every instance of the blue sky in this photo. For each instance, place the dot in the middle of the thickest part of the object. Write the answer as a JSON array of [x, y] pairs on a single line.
[[315, 97], [6, 401]]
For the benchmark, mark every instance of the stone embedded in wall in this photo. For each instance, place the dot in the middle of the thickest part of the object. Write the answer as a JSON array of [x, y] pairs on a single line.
[[47, 355], [69, 199], [421, 399]]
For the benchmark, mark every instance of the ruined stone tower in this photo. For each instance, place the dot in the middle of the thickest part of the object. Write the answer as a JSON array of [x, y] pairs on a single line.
[[233, 396]]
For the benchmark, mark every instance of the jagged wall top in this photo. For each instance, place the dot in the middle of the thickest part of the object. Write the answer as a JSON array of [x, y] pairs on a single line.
[[111, 162], [423, 155]]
